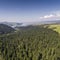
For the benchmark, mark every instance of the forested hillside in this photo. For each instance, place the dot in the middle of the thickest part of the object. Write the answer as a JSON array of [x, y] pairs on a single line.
[[4, 29], [34, 43]]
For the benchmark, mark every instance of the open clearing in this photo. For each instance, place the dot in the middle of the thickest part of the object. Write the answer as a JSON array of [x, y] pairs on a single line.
[[55, 27]]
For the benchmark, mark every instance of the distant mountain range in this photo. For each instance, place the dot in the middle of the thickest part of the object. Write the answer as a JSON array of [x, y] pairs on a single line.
[[12, 24], [7, 27], [46, 22], [15, 24]]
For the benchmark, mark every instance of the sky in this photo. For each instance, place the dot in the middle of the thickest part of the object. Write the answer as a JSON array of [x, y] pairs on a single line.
[[29, 10]]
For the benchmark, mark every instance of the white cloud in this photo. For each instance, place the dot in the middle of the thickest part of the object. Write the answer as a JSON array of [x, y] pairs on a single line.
[[47, 16], [51, 16], [58, 15]]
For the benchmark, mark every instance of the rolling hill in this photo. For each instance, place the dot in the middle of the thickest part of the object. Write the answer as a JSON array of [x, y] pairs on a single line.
[[31, 43], [5, 29]]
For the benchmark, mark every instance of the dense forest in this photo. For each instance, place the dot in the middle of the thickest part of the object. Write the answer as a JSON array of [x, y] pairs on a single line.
[[32, 43]]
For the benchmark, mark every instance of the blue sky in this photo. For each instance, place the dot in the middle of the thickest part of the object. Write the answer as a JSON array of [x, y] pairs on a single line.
[[29, 10]]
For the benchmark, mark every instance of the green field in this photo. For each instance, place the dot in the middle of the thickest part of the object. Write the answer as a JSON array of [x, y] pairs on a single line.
[[55, 27]]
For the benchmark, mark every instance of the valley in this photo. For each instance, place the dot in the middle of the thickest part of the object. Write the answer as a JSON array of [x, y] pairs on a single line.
[[39, 42]]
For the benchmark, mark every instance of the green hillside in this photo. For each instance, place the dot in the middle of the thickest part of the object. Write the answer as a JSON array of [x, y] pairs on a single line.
[[34, 43], [55, 27], [4, 29]]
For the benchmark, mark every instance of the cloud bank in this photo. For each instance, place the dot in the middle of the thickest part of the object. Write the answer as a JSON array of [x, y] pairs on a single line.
[[51, 16], [47, 16]]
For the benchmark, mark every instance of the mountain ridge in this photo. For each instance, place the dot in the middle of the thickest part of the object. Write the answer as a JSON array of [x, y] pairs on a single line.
[[4, 29]]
